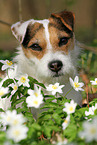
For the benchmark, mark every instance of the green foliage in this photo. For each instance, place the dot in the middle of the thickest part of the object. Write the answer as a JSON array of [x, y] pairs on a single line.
[[44, 126]]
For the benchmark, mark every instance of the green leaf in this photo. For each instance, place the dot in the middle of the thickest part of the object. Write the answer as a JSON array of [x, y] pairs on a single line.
[[79, 115], [24, 109], [47, 131], [29, 116], [55, 128], [49, 100], [2, 137], [70, 132], [19, 101], [57, 118], [45, 116], [34, 81], [50, 105], [0, 79], [36, 126], [1, 110], [7, 82]]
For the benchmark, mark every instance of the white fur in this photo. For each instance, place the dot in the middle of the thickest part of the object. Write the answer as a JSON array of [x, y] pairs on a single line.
[[20, 28], [45, 24], [39, 68]]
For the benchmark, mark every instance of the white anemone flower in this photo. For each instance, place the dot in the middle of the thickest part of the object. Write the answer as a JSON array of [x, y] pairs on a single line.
[[70, 107], [14, 87], [12, 118], [36, 92], [75, 84], [23, 80], [3, 91], [66, 122], [12, 73], [7, 117], [91, 110], [33, 101], [17, 133], [55, 88], [6, 64], [89, 132], [5, 103], [94, 82], [62, 142], [36, 98]]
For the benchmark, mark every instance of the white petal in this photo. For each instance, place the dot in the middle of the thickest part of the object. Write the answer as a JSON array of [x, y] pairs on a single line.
[[95, 79], [81, 84], [2, 61], [30, 92], [80, 89], [71, 82], [76, 89], [4, 67], [53, 92], [61, 86], [76, 79], [56, 84]]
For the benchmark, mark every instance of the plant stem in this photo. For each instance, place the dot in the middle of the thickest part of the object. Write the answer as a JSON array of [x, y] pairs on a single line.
[[87, 96], [7, 73], [68, 92]]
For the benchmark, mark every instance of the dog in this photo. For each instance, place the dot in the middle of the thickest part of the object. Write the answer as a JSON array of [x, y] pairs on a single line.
[[48, 50]]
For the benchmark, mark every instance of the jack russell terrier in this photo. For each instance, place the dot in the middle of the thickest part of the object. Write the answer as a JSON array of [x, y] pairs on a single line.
[[48, 50]]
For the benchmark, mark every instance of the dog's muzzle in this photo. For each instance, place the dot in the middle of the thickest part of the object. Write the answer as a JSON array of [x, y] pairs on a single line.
[[55, 66]]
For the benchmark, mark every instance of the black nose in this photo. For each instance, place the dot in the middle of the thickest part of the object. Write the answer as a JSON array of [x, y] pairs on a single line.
[[55, 65]]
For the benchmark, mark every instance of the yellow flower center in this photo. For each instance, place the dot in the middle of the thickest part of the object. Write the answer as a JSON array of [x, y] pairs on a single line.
[[23, 79], [15, 122], [93, 130], [71, 108], [36, 94], [8, 118], [54, 87], [35, 102], [16, 132], [76, 85], [1, 93], [96, 81], [66, 121], [9, 63], [15, 87]]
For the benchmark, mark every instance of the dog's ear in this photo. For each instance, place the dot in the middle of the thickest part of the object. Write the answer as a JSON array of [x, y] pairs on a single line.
[[66, 17], [19, 29]]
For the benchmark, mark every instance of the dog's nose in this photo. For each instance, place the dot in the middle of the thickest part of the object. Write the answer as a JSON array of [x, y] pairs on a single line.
[[55, 65]]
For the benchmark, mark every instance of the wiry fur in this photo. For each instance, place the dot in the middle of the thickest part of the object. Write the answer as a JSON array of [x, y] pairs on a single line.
[[38, 68]]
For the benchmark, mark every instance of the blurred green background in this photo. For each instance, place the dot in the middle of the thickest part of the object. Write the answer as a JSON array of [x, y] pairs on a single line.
[[85, 24]]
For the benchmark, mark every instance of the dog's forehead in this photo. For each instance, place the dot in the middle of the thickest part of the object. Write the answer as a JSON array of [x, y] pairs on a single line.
[[38, 32], [50, 28], [47, 34], [45, 23]]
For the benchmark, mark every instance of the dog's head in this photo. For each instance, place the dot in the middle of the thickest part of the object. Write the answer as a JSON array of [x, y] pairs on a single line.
[[48, 44]]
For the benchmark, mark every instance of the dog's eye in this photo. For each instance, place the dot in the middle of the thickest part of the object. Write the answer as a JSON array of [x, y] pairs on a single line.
[[36, 47], [63, 41]]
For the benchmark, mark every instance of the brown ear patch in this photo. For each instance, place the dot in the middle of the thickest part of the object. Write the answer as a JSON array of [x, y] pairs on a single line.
[[66, 17], [34, 35], [31, 31], [55, 37]]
